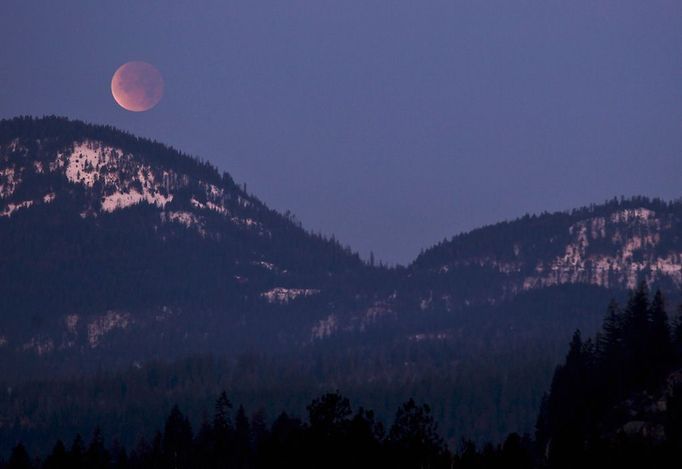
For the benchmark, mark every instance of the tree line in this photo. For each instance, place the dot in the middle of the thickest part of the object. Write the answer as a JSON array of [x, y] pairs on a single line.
[[333, 436], [616, 400]]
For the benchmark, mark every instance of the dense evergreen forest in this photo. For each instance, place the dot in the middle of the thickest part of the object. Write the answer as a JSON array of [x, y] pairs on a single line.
[[334, 435], [482, 383], [614, 402], [617, 398]]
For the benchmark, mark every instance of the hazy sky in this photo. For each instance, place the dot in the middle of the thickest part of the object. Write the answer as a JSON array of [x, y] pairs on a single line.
[[393, 123]]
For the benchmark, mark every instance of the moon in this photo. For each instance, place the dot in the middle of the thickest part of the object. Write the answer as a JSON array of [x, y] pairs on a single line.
[[137, 86]]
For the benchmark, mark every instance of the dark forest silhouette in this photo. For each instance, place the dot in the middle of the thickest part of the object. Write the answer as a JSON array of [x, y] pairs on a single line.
[[334, 435], [584, 420]]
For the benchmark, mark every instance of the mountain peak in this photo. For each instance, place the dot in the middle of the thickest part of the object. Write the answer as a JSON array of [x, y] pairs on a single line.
[[114, 169], [613, 245], [125, 233]]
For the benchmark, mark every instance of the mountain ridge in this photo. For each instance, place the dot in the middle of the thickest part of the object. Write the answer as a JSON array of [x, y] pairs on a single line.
[[116, 251], [91, 227], [242, 256]]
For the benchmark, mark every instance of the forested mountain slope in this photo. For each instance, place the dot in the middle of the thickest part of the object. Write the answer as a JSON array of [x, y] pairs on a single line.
[[116, 251], [104, 234]]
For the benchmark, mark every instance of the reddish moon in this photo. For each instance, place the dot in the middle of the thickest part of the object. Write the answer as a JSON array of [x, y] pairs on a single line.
[[137, 86]]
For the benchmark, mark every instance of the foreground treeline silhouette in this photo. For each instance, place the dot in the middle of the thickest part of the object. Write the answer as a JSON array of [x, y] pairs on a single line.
[[616, 401], [334, 436]]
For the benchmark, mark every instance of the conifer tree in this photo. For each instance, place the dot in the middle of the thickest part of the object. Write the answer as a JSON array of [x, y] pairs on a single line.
[[58, 458], [636, 335], [414, 439], [19, 458], [96, 456], [177, 440], [660, 344], [222, 421], [677, 335], [259, 428], [242, 437], [76, 452], [119, 456], [569, 409], [328, 413], [611, 338]]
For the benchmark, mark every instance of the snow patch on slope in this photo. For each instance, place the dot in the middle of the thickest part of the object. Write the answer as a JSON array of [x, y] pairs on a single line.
[[124, 182], [8, 182], [324, 328], [87, 161], [284, 295], [187, 219], [11, 208], [635, 234], [104, 324], [119, 200], [40, 346]]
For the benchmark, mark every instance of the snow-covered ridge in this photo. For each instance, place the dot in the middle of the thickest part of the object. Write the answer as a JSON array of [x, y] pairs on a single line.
[[119, 180], [628, 215], [616, 250], [634, 236], [123, 180]]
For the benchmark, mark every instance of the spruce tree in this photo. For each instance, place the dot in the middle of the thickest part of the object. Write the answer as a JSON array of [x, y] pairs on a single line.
[[58, 458], [636, 333], [660, 344], [569, 407], [222, 421], [610, 341], [96, 456], [242, 436], [76, 452], [677, 336], [19, 458], [177, 440]]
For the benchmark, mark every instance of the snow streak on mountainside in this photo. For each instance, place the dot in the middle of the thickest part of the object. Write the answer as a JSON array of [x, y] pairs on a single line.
[[119, 179], [615, 245], [634, 233]]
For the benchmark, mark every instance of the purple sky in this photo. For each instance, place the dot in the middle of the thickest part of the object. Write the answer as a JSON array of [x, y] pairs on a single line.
[[392, 123]]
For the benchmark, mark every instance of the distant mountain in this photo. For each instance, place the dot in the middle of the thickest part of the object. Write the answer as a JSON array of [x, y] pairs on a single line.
[[613, 245], [115, 250], [104, 234]]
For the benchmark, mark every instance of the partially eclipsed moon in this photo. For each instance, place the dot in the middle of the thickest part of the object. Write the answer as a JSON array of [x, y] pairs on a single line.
[[137, 86]]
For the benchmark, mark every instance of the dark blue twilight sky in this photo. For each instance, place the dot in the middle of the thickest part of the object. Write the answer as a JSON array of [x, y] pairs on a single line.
[[390, 123]]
